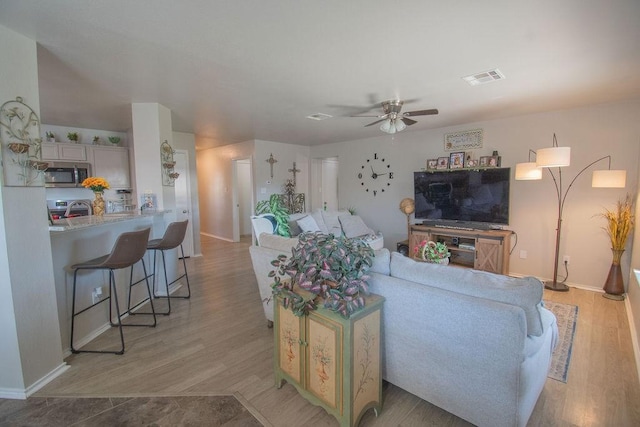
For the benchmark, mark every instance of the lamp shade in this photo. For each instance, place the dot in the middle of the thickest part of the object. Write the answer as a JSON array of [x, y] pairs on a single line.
[[553, 157], [400, 125], [609, 179], [528, 171], [386, 126]]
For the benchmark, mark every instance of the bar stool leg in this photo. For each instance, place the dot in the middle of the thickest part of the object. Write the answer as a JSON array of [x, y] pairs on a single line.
[[73, 309], [168, 312], [149, 298], [115, 297]]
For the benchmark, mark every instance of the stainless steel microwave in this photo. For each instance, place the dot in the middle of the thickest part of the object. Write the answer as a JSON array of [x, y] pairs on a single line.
[[66, 174]]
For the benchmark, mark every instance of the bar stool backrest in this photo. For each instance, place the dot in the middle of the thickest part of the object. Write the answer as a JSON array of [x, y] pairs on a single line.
[[173, 236], [129, 248]]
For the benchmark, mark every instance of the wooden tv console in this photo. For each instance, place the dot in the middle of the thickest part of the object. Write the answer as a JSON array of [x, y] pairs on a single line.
[[486, 250]]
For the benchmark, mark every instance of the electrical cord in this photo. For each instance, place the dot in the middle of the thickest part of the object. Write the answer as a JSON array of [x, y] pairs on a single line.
[[566, 272], [514, 244]]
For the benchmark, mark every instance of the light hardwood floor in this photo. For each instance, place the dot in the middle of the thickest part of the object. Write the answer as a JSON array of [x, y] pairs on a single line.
[[218, 343]]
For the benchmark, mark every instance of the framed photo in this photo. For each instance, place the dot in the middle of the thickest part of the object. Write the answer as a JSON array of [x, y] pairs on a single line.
[[432, 164], [465, 140], [456, 160], [443, 163], [494, 161], [471, 163], [484, 161]]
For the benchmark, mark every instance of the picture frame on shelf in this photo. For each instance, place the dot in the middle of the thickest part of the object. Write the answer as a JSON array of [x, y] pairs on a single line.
[[443, 163], [456, 160], [432, 164], [484, 161], [494, 161], [471, 163]]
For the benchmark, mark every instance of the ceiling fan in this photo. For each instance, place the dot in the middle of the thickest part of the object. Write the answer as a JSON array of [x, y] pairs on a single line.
[[393, 120]]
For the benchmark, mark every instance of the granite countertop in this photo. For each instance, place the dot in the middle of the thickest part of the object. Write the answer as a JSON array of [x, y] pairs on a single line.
[[80, 222]]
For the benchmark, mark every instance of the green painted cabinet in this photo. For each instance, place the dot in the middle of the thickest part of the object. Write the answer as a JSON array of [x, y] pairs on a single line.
[[333, 362]]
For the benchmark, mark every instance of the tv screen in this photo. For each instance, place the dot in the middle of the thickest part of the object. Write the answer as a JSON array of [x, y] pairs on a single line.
[[473, 196]]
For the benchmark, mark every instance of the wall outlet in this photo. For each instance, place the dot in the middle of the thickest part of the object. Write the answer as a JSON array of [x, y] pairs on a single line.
[[566, 259], [523, 254]]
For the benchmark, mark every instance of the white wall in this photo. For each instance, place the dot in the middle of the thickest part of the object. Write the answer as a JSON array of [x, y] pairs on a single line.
[[215, 184], [29, 332], [633, 295], [245, 190], [187, 141], [592, 132]]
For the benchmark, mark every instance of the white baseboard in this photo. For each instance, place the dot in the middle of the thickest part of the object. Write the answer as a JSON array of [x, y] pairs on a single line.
[[6, 393], [217, 237]]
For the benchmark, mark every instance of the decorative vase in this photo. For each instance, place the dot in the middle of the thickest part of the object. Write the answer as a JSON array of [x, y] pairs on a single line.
[[98, 204], [614, 285]]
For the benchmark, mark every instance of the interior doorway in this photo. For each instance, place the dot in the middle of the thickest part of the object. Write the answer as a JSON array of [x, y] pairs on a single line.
[[183, 198], [242, 198], [324, 183]]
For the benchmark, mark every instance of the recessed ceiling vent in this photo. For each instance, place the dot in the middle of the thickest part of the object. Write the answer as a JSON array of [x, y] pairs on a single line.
[[484, 77], [319, 116]]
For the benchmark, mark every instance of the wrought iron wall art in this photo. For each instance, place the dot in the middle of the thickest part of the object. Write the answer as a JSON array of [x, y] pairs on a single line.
[[294, 202], [169, 175], [21, 145]]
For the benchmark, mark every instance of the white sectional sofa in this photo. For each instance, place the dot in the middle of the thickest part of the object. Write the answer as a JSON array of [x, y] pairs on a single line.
[[476, 344], [334, 222]]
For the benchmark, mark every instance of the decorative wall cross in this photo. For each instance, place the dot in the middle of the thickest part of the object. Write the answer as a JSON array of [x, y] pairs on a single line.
[[271, 161], [294, 171]]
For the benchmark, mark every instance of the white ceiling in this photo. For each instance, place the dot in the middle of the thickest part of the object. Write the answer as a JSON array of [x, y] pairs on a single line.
[[232, 71]]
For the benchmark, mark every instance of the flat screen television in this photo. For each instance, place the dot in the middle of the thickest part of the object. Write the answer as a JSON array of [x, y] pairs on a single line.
[[474, 197]]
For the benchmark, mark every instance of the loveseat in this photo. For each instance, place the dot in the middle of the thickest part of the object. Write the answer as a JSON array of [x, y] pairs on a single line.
[[476, 344]]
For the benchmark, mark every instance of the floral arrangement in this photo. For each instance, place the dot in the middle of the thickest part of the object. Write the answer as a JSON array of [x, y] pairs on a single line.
[[432, 251], [620, 221], [73, 136], [97, 184]]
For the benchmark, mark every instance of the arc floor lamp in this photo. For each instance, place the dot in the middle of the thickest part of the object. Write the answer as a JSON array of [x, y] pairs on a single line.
[[560, 157]]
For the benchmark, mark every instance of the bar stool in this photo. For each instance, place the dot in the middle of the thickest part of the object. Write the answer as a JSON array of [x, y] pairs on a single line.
[[128, 249], [173, 237]]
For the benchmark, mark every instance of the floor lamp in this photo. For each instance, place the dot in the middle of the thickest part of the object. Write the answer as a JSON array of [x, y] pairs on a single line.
[[560, 157]]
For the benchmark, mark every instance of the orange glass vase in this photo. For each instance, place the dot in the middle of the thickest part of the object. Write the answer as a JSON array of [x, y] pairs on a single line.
[[98, 204]]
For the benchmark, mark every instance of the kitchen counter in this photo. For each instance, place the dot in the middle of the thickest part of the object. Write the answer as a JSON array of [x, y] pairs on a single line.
[[80, 222], [75, 240]]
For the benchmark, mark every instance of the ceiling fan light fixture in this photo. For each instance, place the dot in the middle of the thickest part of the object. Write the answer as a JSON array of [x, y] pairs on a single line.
[[400, 126], [386, 126]]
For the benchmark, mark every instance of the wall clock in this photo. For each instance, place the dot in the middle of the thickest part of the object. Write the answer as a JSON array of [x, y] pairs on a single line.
[[375, 175]]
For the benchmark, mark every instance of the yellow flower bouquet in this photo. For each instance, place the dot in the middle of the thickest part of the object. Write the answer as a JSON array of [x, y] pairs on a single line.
[[97, 184]]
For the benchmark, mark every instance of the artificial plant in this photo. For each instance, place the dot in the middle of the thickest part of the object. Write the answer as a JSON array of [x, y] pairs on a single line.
[[275, 207]]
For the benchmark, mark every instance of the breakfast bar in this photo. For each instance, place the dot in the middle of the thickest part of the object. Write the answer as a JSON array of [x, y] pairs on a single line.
[[75, 240]]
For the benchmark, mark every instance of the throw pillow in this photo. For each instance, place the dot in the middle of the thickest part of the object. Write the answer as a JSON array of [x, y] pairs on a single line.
[[294, 228], [353, 226], [525, 292], [317, 216], [332, 222], [308, 224]]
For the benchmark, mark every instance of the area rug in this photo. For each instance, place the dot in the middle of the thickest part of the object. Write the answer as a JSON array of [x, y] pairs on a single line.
[[566, 316], [127, 411]]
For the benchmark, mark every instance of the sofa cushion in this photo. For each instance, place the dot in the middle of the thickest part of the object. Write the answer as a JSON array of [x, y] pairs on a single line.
[[524, 292], [317, 216], [278, 243], [381, 260], [332, 222], [353, 226], [294, 228], [308, 224]]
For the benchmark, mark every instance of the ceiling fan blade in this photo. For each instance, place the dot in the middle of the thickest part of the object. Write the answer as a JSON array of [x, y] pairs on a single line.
[[373, 115], [408, 122], [421, 113], [376, 122]]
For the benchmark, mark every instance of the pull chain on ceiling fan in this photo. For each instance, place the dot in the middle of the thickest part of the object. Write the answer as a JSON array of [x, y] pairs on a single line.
[[393, 120]]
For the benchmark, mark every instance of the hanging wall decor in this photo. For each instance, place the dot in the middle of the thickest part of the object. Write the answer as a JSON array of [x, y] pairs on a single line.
[[169, 175], [21, 141]]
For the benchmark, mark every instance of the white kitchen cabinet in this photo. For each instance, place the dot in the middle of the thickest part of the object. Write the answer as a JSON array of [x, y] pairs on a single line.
[[111, 163], [61, 151]]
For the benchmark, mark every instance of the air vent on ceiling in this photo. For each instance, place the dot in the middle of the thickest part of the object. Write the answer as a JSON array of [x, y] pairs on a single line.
[[484, 77], [319, 116]]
